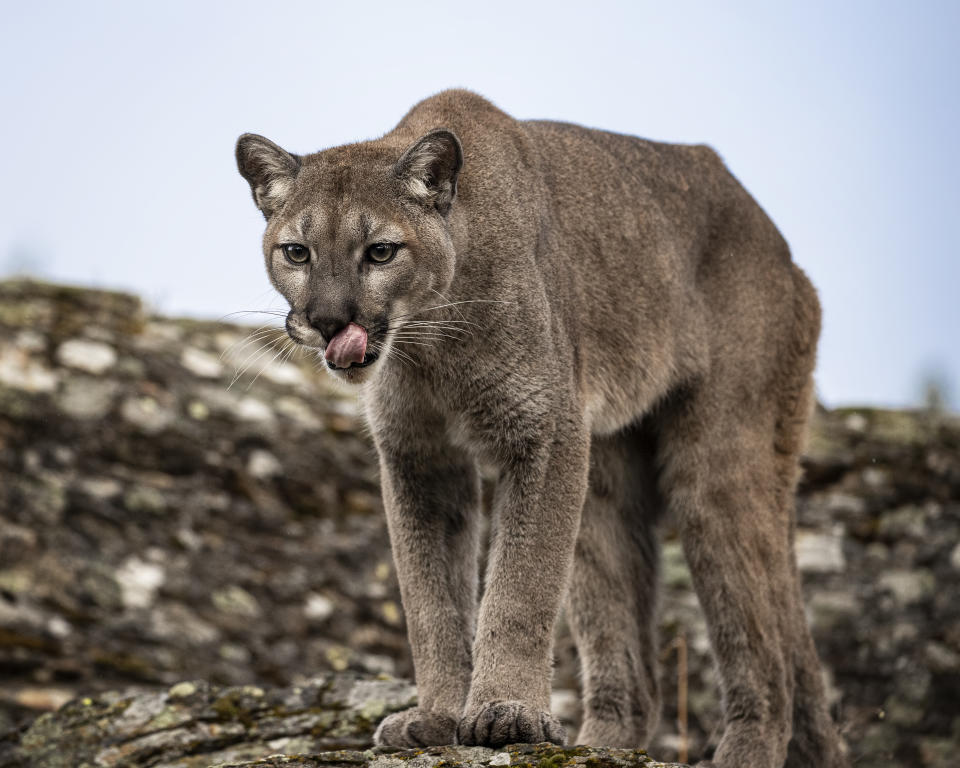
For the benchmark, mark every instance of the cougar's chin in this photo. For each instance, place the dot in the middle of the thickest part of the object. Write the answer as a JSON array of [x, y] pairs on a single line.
[[355, 373]]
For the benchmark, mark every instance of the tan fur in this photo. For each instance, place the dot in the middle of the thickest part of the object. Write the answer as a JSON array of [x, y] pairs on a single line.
[[616, 328]]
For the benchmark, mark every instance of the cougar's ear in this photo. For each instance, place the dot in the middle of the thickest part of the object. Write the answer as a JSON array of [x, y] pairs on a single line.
[[429, 169], [269, 169]]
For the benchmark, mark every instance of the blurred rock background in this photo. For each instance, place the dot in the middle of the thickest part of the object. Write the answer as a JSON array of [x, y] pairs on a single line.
[[162, 521]]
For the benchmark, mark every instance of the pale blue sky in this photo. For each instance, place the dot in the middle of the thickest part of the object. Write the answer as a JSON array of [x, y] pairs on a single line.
[[119, 121]]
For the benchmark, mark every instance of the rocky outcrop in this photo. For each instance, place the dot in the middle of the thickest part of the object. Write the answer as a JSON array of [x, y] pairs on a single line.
[[329, 721], [195, 724], [162, 522], [159, 524]]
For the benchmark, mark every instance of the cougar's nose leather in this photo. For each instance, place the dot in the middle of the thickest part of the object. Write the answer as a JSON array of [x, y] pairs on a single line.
[[328, 323]]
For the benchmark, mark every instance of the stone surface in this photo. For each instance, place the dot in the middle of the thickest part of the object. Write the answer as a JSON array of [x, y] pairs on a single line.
[[146, 538], [194, 724], [820, 552], [327, 721], [519, 755], [86, 355]]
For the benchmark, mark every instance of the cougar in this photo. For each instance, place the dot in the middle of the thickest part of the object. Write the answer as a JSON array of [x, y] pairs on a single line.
[[616, 329]]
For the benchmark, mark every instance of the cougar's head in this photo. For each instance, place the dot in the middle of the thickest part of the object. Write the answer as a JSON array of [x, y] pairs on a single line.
[[357, 239]]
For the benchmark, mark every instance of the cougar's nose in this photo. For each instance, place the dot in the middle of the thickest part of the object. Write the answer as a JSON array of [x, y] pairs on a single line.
[[328, 322]]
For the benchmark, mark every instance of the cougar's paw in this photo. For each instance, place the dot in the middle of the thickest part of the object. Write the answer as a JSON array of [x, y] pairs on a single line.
[[415, 727], [497, 723]]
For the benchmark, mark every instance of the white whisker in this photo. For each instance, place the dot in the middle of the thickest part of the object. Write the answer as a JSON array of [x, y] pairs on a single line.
[[443, 322], [253, 358], [401, 356], [282, 351], [445, 298], [426, 335], [454, 304], [260, 332], [274, 312], [421, 343]]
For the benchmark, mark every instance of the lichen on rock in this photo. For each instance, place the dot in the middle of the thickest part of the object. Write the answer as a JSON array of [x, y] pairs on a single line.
[[196, 724]]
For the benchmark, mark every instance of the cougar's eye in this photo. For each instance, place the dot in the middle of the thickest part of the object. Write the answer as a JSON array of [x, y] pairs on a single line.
[[296, 253], [381, 252]]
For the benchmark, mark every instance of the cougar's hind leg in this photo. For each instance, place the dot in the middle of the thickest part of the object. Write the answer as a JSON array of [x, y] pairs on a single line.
[[815, 739], [719, 475], [612, 600]]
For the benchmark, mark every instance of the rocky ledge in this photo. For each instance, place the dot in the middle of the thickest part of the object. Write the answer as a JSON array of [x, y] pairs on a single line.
[[163, 519], [329, 721]]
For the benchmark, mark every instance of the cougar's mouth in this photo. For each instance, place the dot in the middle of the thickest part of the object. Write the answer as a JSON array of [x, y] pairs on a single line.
[[368, 358]]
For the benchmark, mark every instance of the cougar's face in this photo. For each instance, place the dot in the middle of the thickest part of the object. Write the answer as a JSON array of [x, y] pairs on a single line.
[[357, 244], [353, 268]]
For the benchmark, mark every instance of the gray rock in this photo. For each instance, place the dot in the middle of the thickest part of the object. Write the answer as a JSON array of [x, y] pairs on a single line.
[[828, 609], [675, 571], [955, 557], [201, 363], [139, 582], [236, 600], [909, 586], [909, 521], [89, 356], [254, 409], [318, 607], [147, 414], [941, 659], [263, 465], [100, 488], [86, 397], [820, 552], [20, 371], [144, 499]]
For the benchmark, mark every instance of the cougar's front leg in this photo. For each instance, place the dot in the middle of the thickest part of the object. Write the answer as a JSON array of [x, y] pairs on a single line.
[[431, 495], [537, 508]]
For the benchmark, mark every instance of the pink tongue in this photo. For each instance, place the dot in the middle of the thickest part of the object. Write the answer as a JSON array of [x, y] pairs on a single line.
[[348, 346]]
